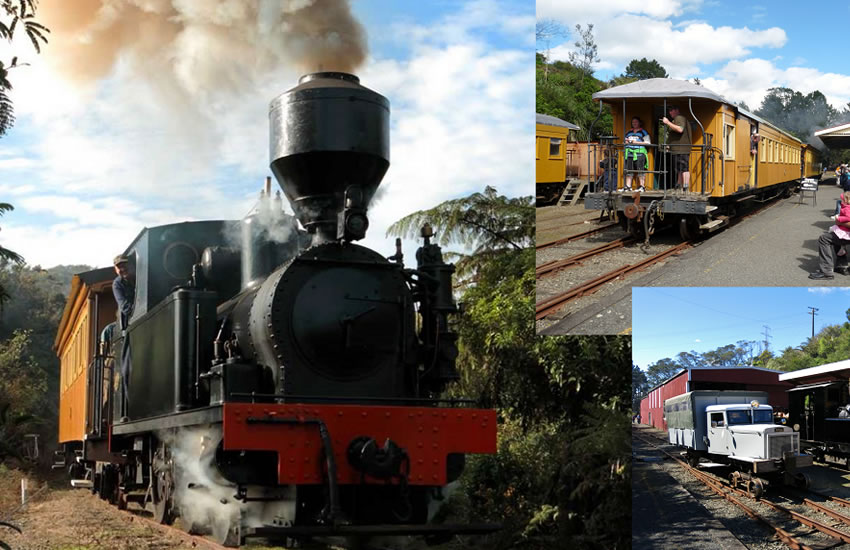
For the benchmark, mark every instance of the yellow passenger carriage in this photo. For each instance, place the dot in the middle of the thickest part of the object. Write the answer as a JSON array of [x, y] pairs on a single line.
[[89, 308], [736, 158], [553, 156]]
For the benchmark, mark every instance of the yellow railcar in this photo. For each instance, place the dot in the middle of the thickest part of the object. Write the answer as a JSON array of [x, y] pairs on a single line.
[[551, 154], [89, 308], [736, 157]]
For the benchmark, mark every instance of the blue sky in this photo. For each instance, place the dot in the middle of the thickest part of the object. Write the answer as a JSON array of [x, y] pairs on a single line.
[[668, 320], [738, 49], [178, 129]]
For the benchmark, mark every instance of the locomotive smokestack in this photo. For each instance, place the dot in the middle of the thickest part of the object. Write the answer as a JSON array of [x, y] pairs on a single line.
[[329, 151]]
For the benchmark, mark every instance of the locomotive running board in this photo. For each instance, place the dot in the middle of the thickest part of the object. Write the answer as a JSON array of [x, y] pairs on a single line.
[[194, 417], [388, 530]]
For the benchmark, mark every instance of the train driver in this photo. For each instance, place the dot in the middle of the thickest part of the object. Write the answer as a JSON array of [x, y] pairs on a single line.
[[680, 141], [124, 290]]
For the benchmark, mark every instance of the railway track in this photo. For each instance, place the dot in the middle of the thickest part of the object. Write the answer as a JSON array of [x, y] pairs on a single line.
[[554, 303], [575, 237], [739, 498], [556, 265]]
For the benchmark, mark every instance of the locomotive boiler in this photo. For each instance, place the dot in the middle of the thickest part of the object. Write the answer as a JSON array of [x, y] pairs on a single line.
[[301, 371]]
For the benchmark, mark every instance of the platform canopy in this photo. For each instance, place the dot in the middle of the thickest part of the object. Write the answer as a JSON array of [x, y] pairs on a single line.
[[837, 137], [555, 121]]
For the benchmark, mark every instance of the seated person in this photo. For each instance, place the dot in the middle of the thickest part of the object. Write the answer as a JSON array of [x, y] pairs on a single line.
[[831, 245]]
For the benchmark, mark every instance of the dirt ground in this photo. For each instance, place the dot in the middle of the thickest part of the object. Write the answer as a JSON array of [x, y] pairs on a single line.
[[58, 517]]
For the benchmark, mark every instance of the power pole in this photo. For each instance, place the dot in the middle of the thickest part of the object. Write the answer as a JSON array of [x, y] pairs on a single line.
[[812, 311], [766, 333]]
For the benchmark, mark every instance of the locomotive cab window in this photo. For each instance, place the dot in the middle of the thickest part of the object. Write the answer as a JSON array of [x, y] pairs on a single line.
[[717, 420], [729, 141], [554, 148]]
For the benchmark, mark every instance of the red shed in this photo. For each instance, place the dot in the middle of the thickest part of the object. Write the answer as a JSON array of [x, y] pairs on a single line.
[[713, 378]]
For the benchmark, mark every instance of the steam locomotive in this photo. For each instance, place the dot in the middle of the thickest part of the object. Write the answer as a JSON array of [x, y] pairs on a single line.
[[286, 371]]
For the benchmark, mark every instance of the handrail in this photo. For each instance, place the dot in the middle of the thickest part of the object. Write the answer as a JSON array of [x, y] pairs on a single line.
[[706, 152]]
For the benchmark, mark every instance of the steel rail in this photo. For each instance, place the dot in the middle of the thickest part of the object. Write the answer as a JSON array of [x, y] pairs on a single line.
[[726, 492], [576, 237], [553, 304], [555, 265], [827, 511]]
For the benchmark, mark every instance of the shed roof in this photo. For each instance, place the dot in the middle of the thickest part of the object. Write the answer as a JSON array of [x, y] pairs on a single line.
[[659, 88], [829, 368], [711, 367], [555, 121], [835, 136]]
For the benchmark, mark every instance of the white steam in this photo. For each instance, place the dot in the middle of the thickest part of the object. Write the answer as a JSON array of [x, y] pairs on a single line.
[[201, 497]]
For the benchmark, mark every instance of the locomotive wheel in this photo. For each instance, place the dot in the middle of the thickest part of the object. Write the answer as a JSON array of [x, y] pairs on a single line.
[[755, 488], [162, 485]]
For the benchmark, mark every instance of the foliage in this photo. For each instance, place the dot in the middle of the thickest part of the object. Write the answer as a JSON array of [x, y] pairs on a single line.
[[22, 392], [640, 387], [560, 473], [29, 370], [643, 69], [486, 223], [661, 370], [7, 255], [796, 113], [14, 16], [564, 92], [587, 53]]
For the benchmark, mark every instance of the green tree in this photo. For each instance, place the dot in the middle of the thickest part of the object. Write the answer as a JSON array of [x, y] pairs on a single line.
[[640, 386], [661, 370], [486, 224], [796, 113], [16, 15], [22, 392], [587, 53], [561, 472], [642, 69], [7, 255]]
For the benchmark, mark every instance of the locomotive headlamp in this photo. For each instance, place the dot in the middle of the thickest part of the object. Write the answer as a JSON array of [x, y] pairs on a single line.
[[356, 226], [352, 221], [754, 404]]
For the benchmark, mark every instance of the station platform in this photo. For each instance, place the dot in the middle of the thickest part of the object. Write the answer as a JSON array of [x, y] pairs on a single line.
[[665, 516]]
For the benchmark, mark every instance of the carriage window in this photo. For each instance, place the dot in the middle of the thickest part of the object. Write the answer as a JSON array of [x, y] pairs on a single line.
[[554, 147], [728, 141], [763, 149]]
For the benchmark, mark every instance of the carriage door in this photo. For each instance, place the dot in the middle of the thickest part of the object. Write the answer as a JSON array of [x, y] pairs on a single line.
[[718, 441]]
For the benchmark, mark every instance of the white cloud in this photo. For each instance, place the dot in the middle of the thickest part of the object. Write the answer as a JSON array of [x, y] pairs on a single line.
[[680, 50], [749, 80], [117, 159], [572, 12], [16, 163], [827, 289], [697, 341]]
